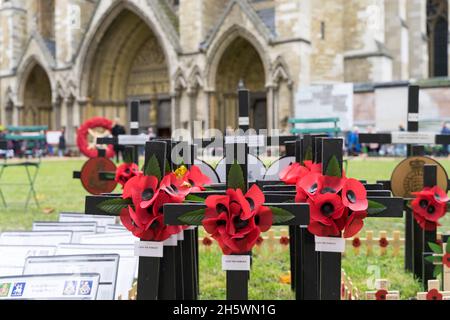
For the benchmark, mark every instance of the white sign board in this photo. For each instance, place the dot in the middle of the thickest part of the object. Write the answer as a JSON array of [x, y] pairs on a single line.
[[111, 228], [39, 238], [50, 287], [53, 137], [413, 138], [78, 228], [102, 221], [128, 263], [109, 238], [12, 257], [325, 101], [106, 265]]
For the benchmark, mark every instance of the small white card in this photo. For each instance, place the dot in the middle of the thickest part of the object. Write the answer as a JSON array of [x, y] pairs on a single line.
[[413, 138], [180, 236], [413, 117], [148, 249], [236, 263], [172, 241], [325, 244]]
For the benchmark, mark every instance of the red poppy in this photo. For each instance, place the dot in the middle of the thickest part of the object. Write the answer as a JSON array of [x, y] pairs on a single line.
[[446, 259], [293, 173], [175, 187], [309, 184], [439, 242], [125, 172], [197, 179], [324, 230], [207, 242], [354, 195], [236, 220], [284, 241], [326, 207], [356, 243], [429, 206], [355, 223], [434, 294], [143, 190], [259, 241], [328, 184], [381, 294], [313, 167], [384, 243]]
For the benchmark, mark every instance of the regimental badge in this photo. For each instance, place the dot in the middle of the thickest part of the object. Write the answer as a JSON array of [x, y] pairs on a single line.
[[18, 289], [70, 288], [85, 288]]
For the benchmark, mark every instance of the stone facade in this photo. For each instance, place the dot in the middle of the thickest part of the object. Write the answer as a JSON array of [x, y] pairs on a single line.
[[183, 59]]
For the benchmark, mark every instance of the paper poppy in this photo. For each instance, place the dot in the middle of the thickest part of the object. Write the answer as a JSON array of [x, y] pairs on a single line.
[[446, 259], [324, 230], [356, 243], [326, 207], [196, 179], [207, 242], [125, 172], [354, 223], [354, 195], [176, 188], [236, 220], [293, 173], [424, 223], [143, 190], [284, 241], [434, 294], [313, 167], [309, 184], [429, 206], [384, 243], [381, 294], [328, 184]]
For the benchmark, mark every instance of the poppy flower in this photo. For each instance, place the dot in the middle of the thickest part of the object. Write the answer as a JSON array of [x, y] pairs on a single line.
[[383, 243], [328, 184], [356, 243], [207, 242], [291, 174], [284, 241], [313, 167], [125, 172], [381, 294], [326, 207], [434, 294], [446, 260], [143, 190], [196, 179], [309, 184], [176, 188], [354, 195], [424, 223], [324, 230], [429, 206], [236, 220], [354, 223]]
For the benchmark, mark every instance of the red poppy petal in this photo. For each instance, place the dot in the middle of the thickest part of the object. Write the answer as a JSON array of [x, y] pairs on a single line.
[[265, 219], [257, 196], [353, 227], [322, 230]]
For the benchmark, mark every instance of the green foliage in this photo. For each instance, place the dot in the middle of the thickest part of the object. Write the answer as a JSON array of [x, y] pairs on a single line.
[[280, 216], [333, 168], [193, 218], [114, 206], [152, 168], [236, 178], [436, 248], [375, 208]]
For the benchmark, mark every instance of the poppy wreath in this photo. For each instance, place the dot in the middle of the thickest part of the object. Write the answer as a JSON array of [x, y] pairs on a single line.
[[144, 196], [440, 258], [236, 220], [83, 133], [125, 172], [429, 206], [338, 205]]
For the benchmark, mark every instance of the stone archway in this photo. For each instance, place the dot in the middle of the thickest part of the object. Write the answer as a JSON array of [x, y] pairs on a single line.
[[129, 64], [37, 100], [240, 61]]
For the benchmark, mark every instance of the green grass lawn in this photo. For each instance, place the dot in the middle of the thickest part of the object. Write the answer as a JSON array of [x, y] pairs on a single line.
[[58, 191]]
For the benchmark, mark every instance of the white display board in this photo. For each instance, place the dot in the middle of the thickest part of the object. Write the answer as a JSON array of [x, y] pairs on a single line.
[[50, 287], [39, 238], [102, 221], [109, 238], [256, 169], [12, 257], [128, 263], [106, 265], [78, 228]]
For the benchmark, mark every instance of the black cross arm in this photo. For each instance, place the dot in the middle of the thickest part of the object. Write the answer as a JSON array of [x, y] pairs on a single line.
[[382, 138], [394, 207], [173, 211], [76, 175], [108, 140]]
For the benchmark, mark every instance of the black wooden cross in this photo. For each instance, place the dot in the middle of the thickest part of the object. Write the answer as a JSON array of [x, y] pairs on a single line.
[[318, 274], [415, 142], [237, 281]]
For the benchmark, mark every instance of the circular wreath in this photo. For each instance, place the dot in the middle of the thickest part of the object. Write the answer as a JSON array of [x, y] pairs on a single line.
[[86, 129]]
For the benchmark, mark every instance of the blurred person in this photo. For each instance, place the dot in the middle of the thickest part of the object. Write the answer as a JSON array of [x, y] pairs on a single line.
[[352, 140], [445, 131], [62, 143], [373, 149]]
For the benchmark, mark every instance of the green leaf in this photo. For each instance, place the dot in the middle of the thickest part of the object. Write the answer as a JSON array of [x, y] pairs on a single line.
[[409, 204], [153, 168], [437, 271], [308, 154], [168, 169], [127, 156], [193, 198], [375, 208], [193, 218], [333, 168], [433, 259], [280, 216], [236, 178], [436, 248], [114, 206], [447, 247]]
